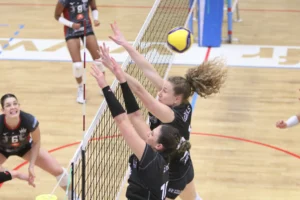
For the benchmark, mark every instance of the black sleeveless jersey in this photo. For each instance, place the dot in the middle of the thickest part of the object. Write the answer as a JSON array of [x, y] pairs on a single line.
[[11, 140], [148, 177], [182, 120]]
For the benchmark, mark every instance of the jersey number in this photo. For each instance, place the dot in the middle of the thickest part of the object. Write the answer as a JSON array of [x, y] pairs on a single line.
[[164, 190], [79, 9], [15, 139]]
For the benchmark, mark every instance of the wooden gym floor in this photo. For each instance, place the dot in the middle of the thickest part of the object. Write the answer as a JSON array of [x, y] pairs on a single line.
[[238, 153]]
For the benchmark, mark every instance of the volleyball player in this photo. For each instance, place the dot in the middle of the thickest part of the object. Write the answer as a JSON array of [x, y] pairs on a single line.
[[151, 149], [173, 106], [11, 174], [20, 136], [290, 122], [75, 12]]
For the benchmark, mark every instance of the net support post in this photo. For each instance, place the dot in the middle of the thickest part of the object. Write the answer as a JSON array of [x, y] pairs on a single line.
[[83, 174], [210, 20]]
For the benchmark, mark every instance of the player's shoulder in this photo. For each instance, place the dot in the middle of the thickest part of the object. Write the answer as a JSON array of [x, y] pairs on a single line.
[[64, 2], [183, 108], [26, 115]]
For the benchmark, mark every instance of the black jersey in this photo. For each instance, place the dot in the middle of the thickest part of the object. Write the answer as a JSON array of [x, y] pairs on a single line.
[[13, 140], [148, 177], [182, 120], [77, 11]]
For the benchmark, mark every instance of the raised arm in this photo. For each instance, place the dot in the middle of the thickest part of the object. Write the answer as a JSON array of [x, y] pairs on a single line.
[[135, 143], [161, 111], [133, 111], [138, 58]]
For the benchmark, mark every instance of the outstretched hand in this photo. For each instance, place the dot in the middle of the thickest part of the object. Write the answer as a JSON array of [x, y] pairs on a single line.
[[105, 57], [99, 76], [96, 23], [118, 36], [111, 64], [281, 124], [31, 176]]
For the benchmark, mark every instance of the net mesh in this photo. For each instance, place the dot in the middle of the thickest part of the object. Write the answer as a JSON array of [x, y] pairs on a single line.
[[100, 166]]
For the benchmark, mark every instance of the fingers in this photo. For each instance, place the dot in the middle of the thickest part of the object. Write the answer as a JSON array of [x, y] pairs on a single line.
[[95, 71], [113, 39], [114, 62], [112, 27]]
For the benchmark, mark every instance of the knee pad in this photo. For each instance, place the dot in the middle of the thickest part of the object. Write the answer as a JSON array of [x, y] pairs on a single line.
[[99, 64], [77, 69], [63, 178]]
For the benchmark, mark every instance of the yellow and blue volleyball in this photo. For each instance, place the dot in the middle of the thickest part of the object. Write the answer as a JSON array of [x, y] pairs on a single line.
[[180, 39]]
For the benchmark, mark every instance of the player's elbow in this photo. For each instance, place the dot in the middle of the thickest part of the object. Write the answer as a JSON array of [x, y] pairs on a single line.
[[120, 119], [56, 16]]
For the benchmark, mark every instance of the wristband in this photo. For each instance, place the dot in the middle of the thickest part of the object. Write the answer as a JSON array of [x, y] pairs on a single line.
[[65, 22], [114, 105]]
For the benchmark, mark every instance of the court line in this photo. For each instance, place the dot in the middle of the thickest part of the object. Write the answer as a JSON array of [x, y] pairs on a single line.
[[174, 64], [16, 33], [268, 10], [251, 141], [46, 5], [4, 25], [149, 7]]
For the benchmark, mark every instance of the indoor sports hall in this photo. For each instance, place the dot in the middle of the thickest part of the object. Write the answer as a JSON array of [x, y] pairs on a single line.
[[237, 151]]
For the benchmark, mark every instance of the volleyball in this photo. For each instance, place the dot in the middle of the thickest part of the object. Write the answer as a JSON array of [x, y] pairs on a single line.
[[180, 39]]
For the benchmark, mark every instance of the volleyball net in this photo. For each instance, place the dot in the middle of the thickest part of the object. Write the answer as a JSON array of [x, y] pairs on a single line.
[[100, 163]]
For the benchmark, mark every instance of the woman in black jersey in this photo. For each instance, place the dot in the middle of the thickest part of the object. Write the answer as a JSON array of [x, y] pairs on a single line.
[[152, 150], [172, 107], [11, 174], [20, 136]]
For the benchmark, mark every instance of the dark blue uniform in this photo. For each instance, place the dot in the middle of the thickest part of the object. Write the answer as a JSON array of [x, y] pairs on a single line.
[[148, 177], [181, 169], [17, 141], [77, 11]]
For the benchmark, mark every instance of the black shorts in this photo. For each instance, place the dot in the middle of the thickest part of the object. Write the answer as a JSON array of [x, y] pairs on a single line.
[[79, 36], [21, 152], [176, 186]]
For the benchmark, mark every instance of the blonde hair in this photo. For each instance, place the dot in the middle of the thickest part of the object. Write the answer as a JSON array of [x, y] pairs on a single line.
[[206, 79]]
